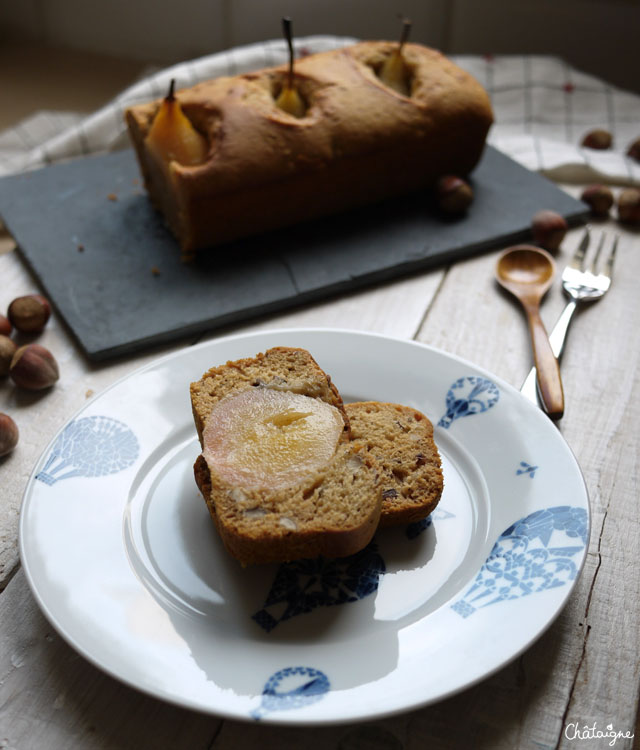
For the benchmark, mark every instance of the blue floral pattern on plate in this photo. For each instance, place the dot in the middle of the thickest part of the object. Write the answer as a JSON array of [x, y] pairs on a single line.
[[304, 585], [523, 561], [469, 395], [300, 587], [90, 447], [292, 687]]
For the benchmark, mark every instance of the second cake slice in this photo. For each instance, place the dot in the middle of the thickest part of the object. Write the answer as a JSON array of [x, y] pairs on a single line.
[[400, 439]]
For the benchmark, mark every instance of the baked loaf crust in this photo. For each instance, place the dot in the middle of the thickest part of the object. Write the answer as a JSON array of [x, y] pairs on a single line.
[[360, 141], [401, 441], [333, 512]]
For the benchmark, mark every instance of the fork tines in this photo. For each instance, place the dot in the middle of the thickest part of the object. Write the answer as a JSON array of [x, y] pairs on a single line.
[[579, 260]]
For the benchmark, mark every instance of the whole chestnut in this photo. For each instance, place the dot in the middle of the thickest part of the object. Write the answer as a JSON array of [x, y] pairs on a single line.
[[33, 367], [30, 313], [8, 434], [8, 348], [5, 326], [548, 229], [599, 198], [634, 150], [599, 139], [453, 194], [629, 206]]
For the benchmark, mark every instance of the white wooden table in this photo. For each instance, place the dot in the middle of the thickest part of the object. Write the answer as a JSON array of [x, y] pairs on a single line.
[[584, 670]]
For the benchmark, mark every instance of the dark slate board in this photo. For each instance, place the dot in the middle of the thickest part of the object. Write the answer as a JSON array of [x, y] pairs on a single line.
[[114, 304]]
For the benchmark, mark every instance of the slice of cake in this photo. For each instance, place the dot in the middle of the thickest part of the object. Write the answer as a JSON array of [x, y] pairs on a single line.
[[279, 471], [400, 439]]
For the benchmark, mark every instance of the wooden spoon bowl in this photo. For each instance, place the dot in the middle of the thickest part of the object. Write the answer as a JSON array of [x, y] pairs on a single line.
[[526, 266], [527, 272]]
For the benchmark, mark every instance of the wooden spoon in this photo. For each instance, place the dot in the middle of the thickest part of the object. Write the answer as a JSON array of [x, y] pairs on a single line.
[[527, 272]]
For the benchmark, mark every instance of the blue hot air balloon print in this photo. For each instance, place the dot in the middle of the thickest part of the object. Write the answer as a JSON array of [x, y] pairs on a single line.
[[469, 395], [292, 687], [303, 585], [90, 447], [534, 554]]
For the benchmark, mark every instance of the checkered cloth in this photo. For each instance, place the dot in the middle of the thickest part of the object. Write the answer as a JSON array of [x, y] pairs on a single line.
[[542, 107]]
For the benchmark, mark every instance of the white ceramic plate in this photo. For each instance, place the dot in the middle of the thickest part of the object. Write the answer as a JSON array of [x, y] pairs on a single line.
[[123, 559]]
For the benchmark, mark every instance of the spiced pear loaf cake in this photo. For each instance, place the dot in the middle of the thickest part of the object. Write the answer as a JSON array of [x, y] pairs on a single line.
[[228, 157], [401, 441], [279, 472]]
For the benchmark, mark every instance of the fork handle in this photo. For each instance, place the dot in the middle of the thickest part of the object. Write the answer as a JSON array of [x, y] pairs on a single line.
[[548, 370], [557, 339]]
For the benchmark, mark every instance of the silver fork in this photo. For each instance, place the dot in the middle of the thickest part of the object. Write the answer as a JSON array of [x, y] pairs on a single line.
[[580, 284]]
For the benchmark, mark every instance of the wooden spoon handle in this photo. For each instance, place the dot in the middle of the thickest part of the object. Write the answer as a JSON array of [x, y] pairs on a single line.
[[549, 380]]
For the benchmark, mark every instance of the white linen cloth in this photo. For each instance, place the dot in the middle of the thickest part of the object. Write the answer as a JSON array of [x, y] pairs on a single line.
[[542, 109]]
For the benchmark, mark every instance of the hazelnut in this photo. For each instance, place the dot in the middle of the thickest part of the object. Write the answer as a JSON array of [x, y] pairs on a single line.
[[5, 326], [548, 229], [33, 367], [30, 313], [453, 194], [634, 150], [8, 434], [599, 198], [7, 350], [599, 139], [629, 206]]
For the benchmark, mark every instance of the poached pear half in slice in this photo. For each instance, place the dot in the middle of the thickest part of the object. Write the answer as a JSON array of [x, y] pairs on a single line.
[[267, 439]]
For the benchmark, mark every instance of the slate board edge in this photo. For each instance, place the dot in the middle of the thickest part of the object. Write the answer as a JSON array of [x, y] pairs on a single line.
[[299, 300]]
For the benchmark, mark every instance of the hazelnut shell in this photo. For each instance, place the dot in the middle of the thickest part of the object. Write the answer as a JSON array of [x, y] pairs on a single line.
[[548, 229], [33, 367], [29, 314], [8, 434], [629, 206], [8, 348], [634, 150], [598, 139], [453, 194], [5, 326], [599, 198]]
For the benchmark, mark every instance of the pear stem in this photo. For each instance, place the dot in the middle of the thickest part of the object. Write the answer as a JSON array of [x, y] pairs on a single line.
[[288, 35], [404, 34], [170, 95]]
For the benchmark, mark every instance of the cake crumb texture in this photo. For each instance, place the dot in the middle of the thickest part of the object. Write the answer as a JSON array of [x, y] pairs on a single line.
[[400, 439]]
